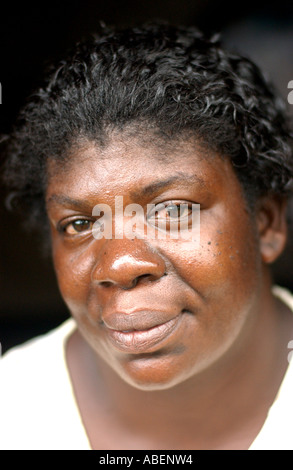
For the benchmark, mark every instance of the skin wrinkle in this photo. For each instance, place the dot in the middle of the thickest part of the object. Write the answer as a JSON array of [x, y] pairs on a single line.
[[177, 179], [152, 188], [113, 147], [223, 301], [67, 111], [121, 118]]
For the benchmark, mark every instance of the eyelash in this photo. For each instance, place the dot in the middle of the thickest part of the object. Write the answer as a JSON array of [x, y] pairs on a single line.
[[62, 227], [178, 205]]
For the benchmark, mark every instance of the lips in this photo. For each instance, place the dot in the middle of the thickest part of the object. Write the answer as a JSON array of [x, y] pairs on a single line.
[[140, 331]]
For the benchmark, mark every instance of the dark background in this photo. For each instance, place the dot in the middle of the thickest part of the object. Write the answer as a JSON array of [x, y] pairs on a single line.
[[31, 35]]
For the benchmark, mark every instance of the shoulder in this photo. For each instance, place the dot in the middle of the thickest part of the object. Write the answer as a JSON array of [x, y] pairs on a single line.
[[276, 433], [35, 390], [285, 295], [36, 357]]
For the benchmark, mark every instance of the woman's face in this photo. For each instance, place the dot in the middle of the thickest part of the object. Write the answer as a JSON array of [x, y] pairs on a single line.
[[157, 311]]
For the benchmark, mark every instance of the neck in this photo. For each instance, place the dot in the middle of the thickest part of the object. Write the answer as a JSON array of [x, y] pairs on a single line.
[[230, 397]]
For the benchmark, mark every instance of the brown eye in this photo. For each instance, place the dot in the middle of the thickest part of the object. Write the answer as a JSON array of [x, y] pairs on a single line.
[[78, 226], [170, 216], [177, 211], [173, 211]]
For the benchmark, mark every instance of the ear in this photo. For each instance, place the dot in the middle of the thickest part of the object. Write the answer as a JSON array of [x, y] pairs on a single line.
[[272, 227]]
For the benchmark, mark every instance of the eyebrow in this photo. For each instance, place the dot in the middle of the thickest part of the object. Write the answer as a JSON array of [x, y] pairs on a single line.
[[150, 189], [156, 186], [68, 201]]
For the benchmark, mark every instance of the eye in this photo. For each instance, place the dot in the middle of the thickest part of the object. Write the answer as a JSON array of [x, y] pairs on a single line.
[[170, 211], [76, 226], [180, 220], [176, 211]]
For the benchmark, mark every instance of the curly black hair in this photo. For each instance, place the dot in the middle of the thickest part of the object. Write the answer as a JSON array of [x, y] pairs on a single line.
[[169, 80]]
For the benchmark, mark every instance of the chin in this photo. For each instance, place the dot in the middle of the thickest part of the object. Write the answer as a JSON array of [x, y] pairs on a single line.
[[149, 374]]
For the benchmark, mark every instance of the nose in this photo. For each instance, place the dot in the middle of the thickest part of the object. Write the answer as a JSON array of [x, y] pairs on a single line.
[[124, 263]]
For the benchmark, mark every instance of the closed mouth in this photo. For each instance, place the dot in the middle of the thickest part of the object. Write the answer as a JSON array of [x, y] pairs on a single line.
[[146, 336]]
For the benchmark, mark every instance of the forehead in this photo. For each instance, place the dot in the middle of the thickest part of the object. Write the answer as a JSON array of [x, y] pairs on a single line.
[[129, 164]]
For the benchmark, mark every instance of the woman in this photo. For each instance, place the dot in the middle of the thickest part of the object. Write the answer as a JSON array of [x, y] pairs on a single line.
[[175, 341]]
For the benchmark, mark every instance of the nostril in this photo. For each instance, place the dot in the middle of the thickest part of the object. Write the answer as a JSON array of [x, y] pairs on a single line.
[[138, 279], [131, 285], [106, 283], [125, 271]]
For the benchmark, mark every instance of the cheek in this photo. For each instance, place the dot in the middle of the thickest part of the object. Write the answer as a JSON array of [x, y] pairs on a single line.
[[73, 271], [225, 273], [227, 263]]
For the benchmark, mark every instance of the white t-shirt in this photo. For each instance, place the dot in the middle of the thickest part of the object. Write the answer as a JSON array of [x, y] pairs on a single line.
[[38, 410]]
